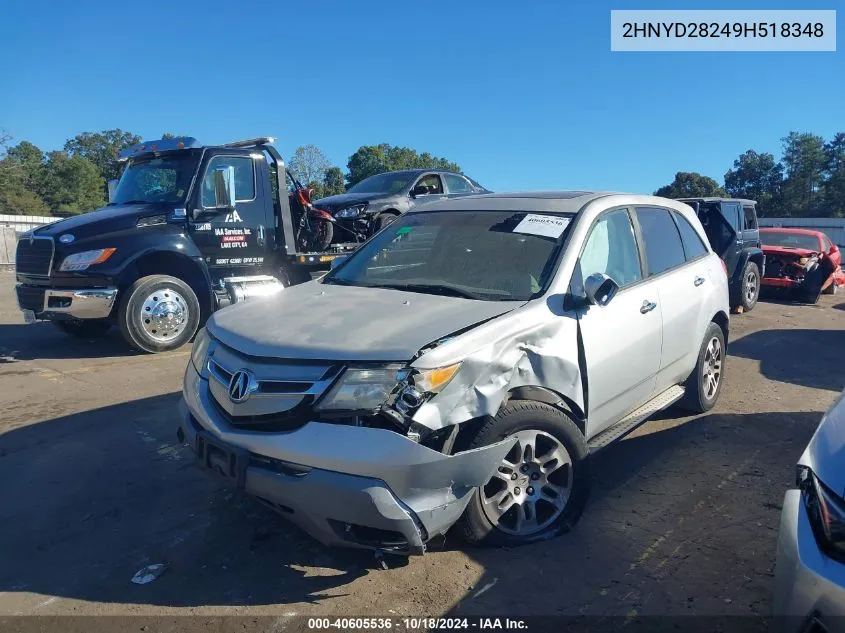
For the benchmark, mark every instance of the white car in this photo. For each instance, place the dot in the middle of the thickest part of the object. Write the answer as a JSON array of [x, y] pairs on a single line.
[[810, 570]]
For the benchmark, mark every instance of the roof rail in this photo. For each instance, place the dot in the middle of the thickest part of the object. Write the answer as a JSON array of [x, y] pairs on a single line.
[[251, 142]]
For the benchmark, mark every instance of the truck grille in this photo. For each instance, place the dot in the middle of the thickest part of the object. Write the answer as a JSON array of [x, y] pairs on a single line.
[[31, 298], [283, 391], [34, 256]]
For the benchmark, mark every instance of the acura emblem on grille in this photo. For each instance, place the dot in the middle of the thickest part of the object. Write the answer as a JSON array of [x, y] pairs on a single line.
[[241, 385]]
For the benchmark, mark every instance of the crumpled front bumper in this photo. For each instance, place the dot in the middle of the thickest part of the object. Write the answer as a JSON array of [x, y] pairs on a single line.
[[344, 485]]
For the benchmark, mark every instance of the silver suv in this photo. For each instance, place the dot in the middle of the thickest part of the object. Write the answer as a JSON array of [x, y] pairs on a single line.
[[461, 367]]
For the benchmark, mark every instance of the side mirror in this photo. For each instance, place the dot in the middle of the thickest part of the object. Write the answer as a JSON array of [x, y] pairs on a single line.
[[224, 187], [600, 289], [419, 190], [337, 261], [112, 184]]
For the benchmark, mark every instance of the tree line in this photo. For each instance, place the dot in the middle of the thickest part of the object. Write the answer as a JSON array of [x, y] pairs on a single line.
[[808, 181], [73, 180]]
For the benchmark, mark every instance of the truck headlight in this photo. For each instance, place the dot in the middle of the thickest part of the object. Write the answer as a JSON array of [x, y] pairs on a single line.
[[81, 261], [199, 352], [351, 212], [362, 388], [826, 511]]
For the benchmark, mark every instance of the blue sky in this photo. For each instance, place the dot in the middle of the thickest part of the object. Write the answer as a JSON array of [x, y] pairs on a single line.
[[524, 95]]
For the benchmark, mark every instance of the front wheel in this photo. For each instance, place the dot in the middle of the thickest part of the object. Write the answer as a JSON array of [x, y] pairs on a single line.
[[540, 488], [158, 313], [750, 286], [87, 328]]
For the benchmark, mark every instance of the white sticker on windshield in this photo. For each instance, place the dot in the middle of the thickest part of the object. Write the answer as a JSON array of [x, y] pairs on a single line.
[[548, 225]]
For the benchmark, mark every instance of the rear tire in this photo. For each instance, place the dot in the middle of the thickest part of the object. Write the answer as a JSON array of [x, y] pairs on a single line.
[[158, 313], [701, 392], [546, 484], [84, 328], [750, 287]]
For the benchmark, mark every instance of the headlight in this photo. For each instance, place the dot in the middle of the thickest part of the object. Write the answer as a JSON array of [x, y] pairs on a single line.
[[826, 511], [200, 349], [362, 389], [351, 212], [81, 261], [433, 380]]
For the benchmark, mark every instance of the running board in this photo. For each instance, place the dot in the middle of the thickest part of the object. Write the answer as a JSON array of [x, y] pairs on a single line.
[[635, 418]]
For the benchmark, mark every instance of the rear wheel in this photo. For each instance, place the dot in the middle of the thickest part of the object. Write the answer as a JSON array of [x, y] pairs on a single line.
[[541, 486], [158, 313], [750, 291], [705, 382], [88, 328]]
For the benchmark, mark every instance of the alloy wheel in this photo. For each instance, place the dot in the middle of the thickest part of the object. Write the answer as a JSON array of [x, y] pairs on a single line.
[[712, 370], [164, 314]]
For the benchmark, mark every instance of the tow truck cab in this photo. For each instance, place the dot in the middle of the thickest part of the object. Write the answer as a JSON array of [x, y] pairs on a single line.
[[188, 229]]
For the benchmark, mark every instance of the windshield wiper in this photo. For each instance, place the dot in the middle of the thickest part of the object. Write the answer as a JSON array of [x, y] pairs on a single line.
[[434, 289]]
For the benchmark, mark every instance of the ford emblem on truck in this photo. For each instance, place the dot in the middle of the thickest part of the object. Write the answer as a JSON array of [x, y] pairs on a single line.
[[67, 238], [240, 386]]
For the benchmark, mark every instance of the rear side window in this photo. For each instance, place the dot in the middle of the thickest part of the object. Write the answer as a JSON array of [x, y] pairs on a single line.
[[750, 217], [731, 211], [456, 184], [663, 246], [693, 246]]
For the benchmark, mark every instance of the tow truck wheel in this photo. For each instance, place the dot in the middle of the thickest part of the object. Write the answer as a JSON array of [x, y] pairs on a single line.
[[88, 328], [158, 313], [541, 486]]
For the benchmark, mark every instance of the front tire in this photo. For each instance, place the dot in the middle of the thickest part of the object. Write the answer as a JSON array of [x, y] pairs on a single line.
[[750, 291], [705, 382], [541, 487], [158, 313], [383, 220], [84, 328]]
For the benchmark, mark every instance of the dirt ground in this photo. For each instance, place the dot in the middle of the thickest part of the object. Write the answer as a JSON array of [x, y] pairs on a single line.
[[683, 517]]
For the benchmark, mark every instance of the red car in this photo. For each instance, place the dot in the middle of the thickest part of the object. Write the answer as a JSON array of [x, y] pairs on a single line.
[[804, 262]]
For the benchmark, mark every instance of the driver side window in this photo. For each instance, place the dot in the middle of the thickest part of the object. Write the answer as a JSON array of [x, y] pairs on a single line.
[[432, 183], [611, 249], [244, 178]]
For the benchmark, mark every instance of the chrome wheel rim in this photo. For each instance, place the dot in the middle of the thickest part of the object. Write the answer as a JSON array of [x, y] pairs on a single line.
[[712, 374], [164, 314], [531, 485], [750, 286]]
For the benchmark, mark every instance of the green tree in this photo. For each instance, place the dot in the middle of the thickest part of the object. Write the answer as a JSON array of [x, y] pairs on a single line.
[[102, 149], [333, 182], [22, 179], [834, 184], [375, 159], [689, 184], [309, 164], [73, 184], [757, 177], [805, 160]]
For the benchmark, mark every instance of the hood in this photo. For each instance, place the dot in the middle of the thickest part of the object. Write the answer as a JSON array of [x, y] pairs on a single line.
[[347, 199], [346, 323], [103, 220], [788, 252], [825, 454]]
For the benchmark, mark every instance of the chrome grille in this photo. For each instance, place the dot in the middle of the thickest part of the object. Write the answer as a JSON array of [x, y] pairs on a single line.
[[282, 390], [34, 256]]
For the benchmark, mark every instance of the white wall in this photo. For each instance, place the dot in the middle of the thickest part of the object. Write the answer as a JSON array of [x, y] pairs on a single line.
[[22, 223]]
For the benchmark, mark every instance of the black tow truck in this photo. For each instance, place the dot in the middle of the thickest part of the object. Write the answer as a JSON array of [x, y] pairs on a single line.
[[188, 229]]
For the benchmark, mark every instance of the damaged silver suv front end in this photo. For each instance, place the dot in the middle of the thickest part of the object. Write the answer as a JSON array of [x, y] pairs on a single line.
[[356, 481]]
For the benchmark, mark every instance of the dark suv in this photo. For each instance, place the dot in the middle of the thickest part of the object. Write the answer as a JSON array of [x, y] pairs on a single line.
[[731, 227]]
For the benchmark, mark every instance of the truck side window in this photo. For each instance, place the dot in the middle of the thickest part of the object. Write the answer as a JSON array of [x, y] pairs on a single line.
[[731, 211], [693, 246], [750, 217], [611, 248], [244, 178]]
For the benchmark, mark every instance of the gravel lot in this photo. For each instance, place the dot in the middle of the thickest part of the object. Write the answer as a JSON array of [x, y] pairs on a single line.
[[683, 517]]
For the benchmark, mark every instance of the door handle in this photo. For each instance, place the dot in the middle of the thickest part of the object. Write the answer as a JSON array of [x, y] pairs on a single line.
[[647, 306], [698, 281]]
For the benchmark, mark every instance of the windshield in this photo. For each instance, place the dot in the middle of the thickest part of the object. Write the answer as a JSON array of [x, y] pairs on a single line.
[[790, 240], [391, 182], [164, 179], [486, 255]]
